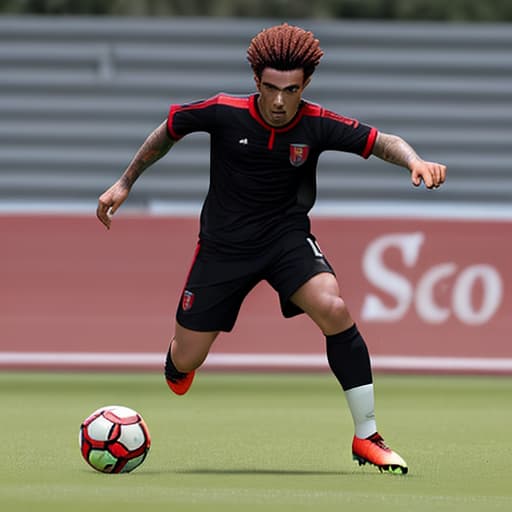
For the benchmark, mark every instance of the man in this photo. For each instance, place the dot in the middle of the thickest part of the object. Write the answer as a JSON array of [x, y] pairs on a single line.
[[254, 222]]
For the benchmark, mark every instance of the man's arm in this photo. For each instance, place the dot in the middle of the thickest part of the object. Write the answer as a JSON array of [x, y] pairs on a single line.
[[153, 148], [395, 150]]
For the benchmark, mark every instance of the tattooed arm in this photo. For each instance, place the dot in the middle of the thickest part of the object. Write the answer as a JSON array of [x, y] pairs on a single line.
[[395, 150], [154, 147]]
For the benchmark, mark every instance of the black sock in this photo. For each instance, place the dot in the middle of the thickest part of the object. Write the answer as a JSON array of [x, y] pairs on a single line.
[[171, 372], [348, 358]]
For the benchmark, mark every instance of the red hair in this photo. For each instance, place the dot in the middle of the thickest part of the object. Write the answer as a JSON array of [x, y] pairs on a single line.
[[284, 47]]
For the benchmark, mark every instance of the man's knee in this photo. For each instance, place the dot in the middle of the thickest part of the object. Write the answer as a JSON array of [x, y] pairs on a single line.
[[334, 314]]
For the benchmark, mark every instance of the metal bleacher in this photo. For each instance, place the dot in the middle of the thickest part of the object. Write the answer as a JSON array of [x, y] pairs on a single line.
[[79, 95]]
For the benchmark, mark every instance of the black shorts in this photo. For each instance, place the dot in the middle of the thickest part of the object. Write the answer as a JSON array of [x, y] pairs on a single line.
[[218, 283]]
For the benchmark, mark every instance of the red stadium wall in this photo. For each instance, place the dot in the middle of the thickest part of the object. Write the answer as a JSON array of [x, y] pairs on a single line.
[[429, 295]]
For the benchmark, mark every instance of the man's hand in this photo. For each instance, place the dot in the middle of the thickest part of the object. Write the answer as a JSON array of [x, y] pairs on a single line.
[[395, 150], [153, 148], [110, 201], [432, 174]]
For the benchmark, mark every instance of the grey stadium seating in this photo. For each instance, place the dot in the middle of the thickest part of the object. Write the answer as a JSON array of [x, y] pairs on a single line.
[[79, 95]]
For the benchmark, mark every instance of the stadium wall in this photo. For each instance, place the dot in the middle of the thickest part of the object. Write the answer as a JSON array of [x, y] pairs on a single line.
[[430, 295]]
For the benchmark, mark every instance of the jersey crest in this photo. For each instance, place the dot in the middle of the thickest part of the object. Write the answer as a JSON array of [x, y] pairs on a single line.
[[188, 300], [298, 154]]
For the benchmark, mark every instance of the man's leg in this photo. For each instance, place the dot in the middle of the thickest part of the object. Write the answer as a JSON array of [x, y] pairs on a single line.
[[187, 351], [349, 360]]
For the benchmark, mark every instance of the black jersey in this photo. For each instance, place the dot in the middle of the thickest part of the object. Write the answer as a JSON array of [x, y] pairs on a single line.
[[262, 178]]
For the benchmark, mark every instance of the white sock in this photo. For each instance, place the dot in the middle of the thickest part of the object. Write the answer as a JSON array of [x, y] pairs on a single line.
[[361, 403]]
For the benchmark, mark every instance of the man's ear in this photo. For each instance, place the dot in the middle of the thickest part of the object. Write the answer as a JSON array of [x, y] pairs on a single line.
[[307, 82], [257, 81]]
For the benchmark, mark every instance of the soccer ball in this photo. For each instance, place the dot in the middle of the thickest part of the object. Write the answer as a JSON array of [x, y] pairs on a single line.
[[114, 439]]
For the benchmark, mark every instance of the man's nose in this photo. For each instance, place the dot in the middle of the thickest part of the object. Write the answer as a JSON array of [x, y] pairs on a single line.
[[278, 100]]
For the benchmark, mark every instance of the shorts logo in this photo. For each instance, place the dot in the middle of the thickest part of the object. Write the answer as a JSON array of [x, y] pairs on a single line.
[[298, 154], [315, 248], [187, 300]]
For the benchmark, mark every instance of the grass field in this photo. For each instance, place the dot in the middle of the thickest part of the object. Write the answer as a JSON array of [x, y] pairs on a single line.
[[258, 442]]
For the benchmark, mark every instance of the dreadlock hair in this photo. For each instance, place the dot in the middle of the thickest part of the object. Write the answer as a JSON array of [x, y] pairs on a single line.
[[284, 47]]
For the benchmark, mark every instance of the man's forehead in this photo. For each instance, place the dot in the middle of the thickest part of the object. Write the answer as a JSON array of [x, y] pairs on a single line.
[[282, 78]]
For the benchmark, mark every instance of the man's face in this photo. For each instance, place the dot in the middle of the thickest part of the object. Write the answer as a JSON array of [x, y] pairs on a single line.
[[280, 94]]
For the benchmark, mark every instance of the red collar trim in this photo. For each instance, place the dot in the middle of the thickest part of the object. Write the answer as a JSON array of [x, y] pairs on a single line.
[[255, 113]]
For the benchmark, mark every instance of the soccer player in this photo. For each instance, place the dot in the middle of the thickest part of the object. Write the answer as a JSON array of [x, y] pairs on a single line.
[[254, 222]]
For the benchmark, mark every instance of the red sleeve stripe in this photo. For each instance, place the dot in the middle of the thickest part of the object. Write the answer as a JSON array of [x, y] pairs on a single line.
[[233, 101], [370, 142], [170, 122], [219, 99], [312, 109]]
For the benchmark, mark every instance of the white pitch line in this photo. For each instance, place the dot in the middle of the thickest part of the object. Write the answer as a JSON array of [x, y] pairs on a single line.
[[443, 363], [253, 361]]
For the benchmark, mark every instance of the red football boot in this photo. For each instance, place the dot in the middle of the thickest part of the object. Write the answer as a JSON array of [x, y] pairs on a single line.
[[373, 450], [181, 385], [178, 382]]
